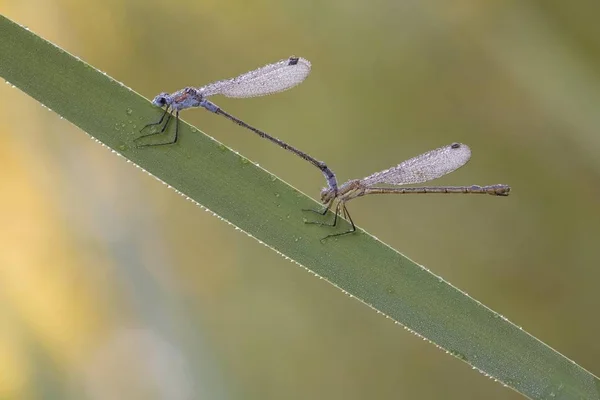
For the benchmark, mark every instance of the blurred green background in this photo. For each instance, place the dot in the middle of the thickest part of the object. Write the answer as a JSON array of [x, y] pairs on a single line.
[[113, 286]]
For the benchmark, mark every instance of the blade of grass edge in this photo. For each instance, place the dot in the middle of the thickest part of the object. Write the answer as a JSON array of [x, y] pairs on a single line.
[[268, 210]]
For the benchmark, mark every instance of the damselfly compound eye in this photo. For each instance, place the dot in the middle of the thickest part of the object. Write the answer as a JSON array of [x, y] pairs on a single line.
[[160, 100]]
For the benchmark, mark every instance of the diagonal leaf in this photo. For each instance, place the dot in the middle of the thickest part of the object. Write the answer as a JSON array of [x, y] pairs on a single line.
[[269, 210]]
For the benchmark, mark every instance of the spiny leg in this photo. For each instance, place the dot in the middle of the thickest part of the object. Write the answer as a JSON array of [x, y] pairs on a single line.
[[346, 215], [164, 128], [320, 212], [337, 211], [162, 131], [176, 126], [155, 123]]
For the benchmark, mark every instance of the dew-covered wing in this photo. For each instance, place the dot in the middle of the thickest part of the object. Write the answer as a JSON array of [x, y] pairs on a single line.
[[425, 167], [272, 78]]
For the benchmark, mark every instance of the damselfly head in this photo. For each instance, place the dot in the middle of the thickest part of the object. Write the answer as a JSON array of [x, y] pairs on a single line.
[[162, 100], [327, 194]]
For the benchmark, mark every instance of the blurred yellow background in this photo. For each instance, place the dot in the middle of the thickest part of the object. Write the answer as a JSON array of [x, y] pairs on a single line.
[[114, 287]]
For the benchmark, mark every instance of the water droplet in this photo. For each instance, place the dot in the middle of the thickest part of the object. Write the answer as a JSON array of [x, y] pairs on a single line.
[[129, 111]]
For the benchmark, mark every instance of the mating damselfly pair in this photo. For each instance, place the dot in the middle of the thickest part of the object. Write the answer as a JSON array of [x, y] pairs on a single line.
[[284, 75]]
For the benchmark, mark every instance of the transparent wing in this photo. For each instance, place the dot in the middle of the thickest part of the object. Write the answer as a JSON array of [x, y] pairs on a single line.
[[423, 168], [272, 78]]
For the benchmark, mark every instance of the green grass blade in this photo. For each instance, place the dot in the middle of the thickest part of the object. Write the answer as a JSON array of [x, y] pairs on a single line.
[[270, 211]]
